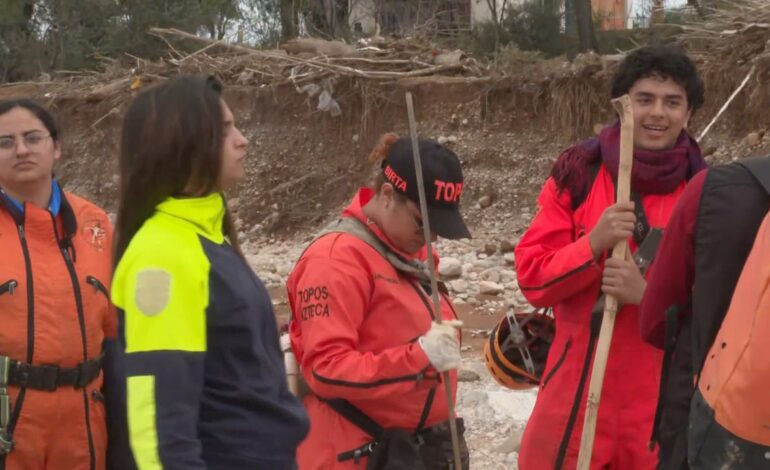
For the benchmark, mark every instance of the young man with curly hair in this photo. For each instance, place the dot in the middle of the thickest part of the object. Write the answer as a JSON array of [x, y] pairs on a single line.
[[562, 262]]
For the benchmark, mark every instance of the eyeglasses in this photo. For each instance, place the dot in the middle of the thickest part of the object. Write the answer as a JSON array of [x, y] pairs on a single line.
[[32, 140]]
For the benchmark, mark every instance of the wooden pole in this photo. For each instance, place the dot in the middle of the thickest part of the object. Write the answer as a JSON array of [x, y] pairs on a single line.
[[727, 103], [432, 272], [623, 107]]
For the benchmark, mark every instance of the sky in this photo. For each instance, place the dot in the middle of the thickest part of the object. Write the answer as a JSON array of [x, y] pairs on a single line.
[[637, 6]]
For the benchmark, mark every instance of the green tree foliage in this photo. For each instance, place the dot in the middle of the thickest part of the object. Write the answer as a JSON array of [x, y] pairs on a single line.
[[42, 35], [533, 26], [19, 48]]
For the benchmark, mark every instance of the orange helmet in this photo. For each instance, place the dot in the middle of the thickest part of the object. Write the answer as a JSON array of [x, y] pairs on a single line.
[[518, 348]]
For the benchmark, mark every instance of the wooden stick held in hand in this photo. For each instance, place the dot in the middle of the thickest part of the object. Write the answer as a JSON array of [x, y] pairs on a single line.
[[432, 272], [623, 107]]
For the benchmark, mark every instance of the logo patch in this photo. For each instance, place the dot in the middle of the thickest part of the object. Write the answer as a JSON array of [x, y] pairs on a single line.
[[447, 191], [95, 234], [153, 291], [314, 302]]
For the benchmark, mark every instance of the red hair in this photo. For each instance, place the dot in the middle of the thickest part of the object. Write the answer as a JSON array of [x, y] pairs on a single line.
[[380, 151]]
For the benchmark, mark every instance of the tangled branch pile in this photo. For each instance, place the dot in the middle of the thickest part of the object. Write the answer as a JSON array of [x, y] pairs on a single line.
[[727, 46], [300, 61]]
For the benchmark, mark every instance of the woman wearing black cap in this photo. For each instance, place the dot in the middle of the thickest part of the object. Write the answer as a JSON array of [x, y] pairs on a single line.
[[362, 323]]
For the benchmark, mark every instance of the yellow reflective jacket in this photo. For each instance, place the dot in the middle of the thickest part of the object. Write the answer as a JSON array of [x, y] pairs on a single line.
[[202, 371]]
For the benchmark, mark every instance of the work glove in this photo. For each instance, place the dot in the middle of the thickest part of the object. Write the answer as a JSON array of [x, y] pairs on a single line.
[[441, 345]]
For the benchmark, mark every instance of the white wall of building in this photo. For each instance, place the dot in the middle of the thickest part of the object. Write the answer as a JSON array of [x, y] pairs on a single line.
[[480, 11], [364, 13]]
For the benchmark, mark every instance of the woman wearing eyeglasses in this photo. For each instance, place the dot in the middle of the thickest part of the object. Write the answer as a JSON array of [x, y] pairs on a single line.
[[54, 307], [362, 325]]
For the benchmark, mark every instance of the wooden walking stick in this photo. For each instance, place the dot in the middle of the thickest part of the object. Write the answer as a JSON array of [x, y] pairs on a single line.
[[432, 272], [623, 107]]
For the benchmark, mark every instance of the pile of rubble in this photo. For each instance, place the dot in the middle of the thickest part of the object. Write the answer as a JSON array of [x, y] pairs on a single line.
[[494, 417]]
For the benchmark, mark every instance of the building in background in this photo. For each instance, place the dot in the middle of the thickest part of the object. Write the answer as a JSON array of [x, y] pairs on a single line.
[[373, 17], [611, 14]]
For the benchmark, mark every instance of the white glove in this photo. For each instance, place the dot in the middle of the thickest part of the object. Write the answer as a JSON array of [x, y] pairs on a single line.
[[441, 345]]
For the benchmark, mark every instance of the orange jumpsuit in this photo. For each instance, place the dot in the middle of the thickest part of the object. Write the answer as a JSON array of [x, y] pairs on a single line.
[[55, 311]]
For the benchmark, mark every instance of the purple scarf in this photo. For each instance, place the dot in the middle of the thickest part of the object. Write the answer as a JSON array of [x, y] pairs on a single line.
[[653, 172]]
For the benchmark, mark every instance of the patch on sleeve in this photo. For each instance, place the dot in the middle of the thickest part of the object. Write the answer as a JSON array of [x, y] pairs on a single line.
[[153, 291]]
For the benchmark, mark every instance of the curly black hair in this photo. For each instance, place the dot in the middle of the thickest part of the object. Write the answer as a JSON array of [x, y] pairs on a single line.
[[661, 61]]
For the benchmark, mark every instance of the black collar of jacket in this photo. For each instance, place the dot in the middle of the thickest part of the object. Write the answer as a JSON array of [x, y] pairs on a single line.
[[65, 211]]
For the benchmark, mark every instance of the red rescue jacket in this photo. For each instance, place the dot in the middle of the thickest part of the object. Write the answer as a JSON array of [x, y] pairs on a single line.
[[355, 322], [556, 267]]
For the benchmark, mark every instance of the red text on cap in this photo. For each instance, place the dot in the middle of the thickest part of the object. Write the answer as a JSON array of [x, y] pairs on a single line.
[[447, 191], [394, 179]]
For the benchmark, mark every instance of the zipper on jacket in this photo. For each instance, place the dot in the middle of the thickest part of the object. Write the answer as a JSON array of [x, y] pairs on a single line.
[[30, 296], [81, 320], [558, 364], [417, 289], [98, 286], [30, 331], [8, 287]]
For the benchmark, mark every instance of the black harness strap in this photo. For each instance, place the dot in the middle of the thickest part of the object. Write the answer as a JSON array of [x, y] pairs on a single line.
[[672, 328], [642, 227], [597, 315], [363, 422], [49, 378]]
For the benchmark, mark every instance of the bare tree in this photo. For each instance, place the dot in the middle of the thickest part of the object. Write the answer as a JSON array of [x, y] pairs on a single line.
[[658, 15], [585, 26], [569, 17], [497, 18], [288, 19]]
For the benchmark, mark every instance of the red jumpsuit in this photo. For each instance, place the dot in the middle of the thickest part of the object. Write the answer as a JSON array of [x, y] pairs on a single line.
[[355, 322], [556, 268]]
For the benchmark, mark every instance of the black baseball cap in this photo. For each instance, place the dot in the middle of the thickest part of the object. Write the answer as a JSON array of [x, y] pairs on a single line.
[[443, 179]]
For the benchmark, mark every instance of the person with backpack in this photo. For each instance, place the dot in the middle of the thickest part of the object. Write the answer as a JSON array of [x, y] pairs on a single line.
[[362, 324], [55, 314], [562, 262], [688, 296], [201, 381]]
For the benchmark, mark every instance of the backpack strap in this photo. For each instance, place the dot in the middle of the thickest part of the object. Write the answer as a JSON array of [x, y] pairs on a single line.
[[355, 416], [760, 169], [670, 335], [597, 315], [360, 420], [363, 422], [642, 227], [355, 227]]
